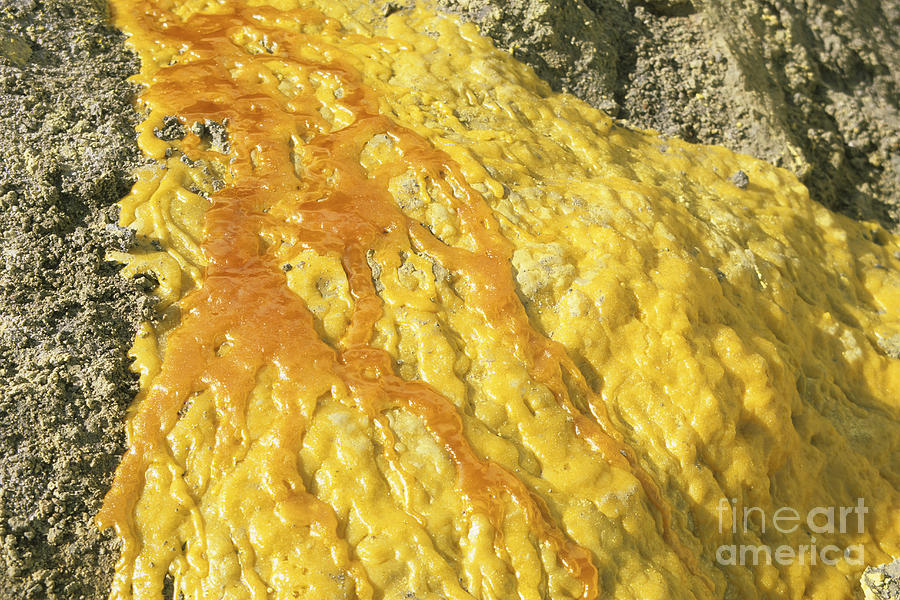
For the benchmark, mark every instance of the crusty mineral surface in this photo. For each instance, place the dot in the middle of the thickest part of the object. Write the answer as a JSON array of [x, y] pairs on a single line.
[[429, 329]]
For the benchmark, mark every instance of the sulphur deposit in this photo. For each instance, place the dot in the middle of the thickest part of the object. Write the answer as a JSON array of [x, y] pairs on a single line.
[[430, 331]]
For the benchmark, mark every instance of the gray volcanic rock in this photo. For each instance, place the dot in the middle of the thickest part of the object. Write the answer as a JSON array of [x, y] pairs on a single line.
[[809, 85]]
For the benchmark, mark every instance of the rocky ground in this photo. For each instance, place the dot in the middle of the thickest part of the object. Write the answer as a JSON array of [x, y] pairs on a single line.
[[66, 319], [883, 582], [811, 85]]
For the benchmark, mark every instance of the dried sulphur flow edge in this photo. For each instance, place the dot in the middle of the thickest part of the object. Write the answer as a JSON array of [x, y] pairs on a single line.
[[345, 396]]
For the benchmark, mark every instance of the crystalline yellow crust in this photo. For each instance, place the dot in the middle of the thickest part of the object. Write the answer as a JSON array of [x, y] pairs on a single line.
[[337, 291]]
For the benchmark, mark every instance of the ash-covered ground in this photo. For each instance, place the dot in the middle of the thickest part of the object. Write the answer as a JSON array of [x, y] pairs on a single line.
[[67, 319]]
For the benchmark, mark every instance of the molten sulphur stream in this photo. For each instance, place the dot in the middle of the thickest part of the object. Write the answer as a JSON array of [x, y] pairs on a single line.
[[430, 331]]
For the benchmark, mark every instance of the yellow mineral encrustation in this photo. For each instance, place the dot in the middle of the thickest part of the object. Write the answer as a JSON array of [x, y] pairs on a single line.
[[429, 330]]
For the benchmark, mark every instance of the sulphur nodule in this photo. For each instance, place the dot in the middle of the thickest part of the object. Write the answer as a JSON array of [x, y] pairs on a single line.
[[429, 330]]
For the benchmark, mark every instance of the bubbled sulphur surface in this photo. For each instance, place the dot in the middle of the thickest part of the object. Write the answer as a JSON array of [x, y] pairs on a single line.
[[428, 330]]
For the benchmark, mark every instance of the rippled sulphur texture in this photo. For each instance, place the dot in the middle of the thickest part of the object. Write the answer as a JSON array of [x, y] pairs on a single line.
[[428, 330]]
